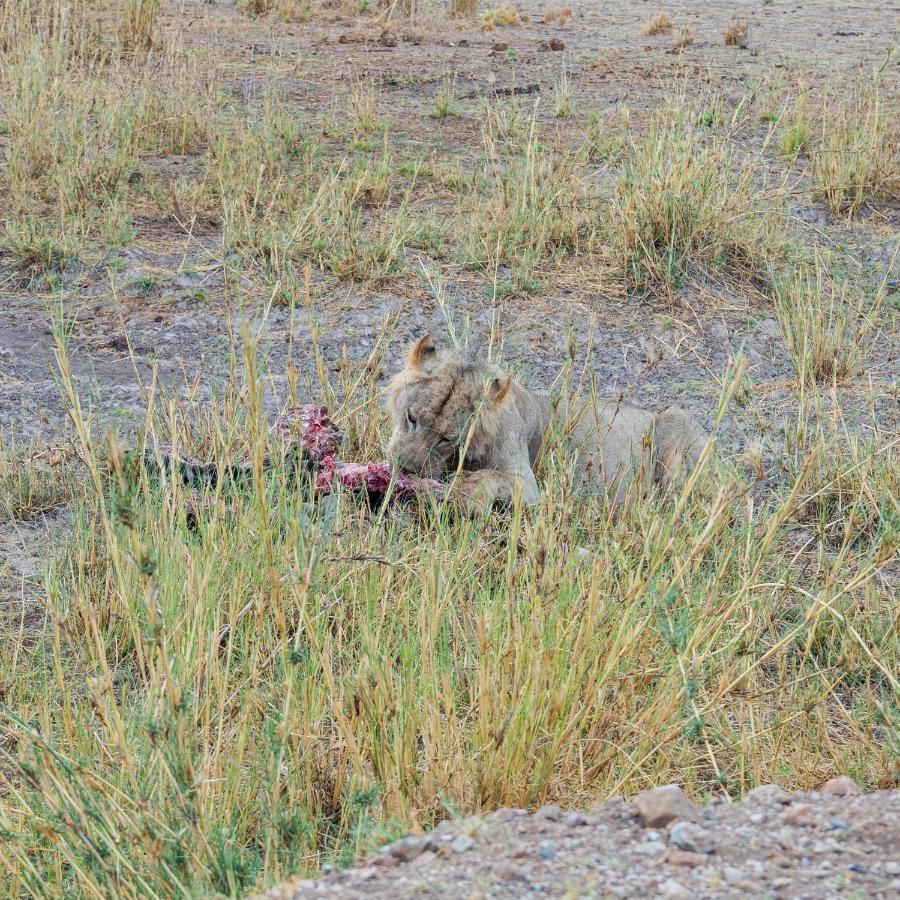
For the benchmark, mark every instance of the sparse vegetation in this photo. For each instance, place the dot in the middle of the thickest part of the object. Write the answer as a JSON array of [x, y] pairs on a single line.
[[856, 158], [684, 38], [500, 17], [661, 23], [736, 35], [683, 202], [824, 330], [558, 16]]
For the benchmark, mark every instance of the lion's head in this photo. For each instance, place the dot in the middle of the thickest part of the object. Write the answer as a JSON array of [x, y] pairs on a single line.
[[441, 402]]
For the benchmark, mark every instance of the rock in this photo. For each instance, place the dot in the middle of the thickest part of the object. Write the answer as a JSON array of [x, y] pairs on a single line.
[[549, 813], [505, 814], [364, 873], [507, 871], [384, 861], [766, 793], [546, 850], [650, 848], [662, 805], [842, 786], [684, 858], [408, 848], [575, 819], [672, 888], [463, 844], [688, 836], [556, 44], [733, 875], [801, 814], [500, 47], [892, 868]]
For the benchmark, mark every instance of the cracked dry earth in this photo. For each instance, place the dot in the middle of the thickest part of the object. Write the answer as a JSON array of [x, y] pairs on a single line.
[[832, 842]]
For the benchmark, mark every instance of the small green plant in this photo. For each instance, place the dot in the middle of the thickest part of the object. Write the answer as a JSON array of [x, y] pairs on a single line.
[[445, 100], [562, 100]]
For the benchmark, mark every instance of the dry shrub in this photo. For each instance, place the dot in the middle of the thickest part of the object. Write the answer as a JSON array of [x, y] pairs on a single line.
[[463, 9], [736, 35], [292, 10], [502, 16], [684, 38], [661, 23], [558, 16]]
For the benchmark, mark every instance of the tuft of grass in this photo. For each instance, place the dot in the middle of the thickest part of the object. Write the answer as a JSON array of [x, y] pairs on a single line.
[[445, 104], [501, 17], [661, 23], [856, 158], [363, 113], [824, 330], [138, 24], [684, 38], [736, 34], [218, 703], [562, 99], [684, 201], [529, 209], [463, 9], [558, 16]]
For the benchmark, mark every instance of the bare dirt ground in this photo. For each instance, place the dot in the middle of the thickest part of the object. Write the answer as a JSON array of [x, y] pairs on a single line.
[[773, 844]]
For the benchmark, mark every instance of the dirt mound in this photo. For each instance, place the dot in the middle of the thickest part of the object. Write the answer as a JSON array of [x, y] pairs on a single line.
[[828, 843]]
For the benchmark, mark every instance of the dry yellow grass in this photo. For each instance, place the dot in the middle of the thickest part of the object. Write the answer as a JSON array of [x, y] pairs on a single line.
[[661, 23], [736, 34]]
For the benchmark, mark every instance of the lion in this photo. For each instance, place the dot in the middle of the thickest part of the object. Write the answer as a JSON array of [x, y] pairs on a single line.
[[452, 405]]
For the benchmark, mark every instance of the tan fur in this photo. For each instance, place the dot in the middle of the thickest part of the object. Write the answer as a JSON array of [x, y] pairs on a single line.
[[448, 403]]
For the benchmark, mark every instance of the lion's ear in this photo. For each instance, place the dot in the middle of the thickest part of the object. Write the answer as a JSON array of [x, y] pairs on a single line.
[[420, 350], [498, 389]]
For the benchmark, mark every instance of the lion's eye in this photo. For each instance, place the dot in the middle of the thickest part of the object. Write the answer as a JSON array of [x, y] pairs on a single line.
[[413, 421]]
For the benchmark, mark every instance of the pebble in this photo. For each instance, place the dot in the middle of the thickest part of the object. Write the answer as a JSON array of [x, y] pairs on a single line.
[[549, 813], [688, 836], [650, 847], [766, 793], [408, 848], [505, 814], [672, 888], [507, 871], [662, 805], [576, 819], [801, 814], [463, 844], [733, 875], [546, 850], [684, 858], [892, 868], [842, 786]]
